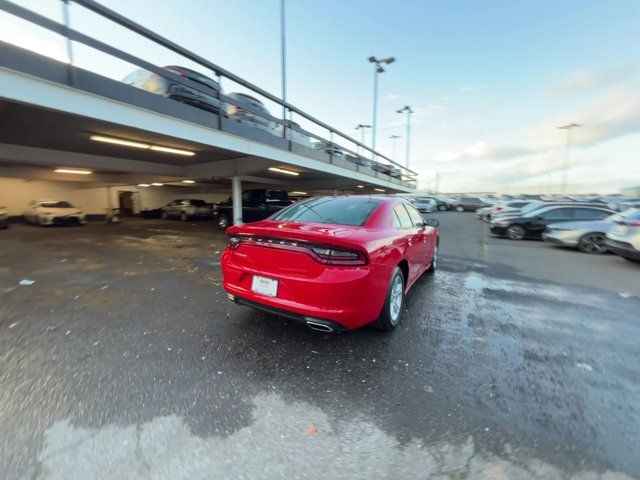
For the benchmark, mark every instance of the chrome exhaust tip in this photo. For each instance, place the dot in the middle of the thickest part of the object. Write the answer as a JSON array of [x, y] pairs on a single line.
[[321, 327]]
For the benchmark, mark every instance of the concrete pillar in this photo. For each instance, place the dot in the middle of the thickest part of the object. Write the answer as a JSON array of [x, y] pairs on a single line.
[[236, 198]]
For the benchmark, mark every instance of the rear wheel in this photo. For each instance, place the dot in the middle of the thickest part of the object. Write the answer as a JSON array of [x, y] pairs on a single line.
[[442, 208], [592, 243], [223, 221], [392, 309], [184, 217], [515, 232], [164, 215], [459, 208]]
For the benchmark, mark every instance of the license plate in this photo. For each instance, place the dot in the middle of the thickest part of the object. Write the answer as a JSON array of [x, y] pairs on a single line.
[[619, 230], [264, 286]]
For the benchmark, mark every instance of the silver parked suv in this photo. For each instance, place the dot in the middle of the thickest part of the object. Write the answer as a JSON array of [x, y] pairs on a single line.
[[184, 209], [624, 237]]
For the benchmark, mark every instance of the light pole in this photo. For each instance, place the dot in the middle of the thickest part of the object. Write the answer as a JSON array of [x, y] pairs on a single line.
[[565, 168], [283, 56], [408, 110], [362, 128], [378, 69], [393, 146]]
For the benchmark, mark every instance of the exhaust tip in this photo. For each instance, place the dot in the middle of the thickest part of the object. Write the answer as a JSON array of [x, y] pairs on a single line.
[[321, 327], [231, 297]]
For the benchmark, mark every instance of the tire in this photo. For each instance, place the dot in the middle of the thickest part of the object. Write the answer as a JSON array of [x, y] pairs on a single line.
[[164, 215], [434, 262], [183, 216], [592, 243], [223, 221], [392, 310], [515, 232], [459, 208], [442, 208]]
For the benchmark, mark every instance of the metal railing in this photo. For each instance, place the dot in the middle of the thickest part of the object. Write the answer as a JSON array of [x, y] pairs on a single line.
[[376, 161]]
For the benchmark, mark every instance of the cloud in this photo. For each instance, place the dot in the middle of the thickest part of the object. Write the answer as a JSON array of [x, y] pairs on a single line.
[[583, 81]]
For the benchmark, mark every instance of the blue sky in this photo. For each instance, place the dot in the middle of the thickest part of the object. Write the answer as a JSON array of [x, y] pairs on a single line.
[[490, 81]]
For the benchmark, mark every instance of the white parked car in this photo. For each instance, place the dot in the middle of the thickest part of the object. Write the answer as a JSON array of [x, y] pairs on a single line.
[[54, 212], [624, 237]]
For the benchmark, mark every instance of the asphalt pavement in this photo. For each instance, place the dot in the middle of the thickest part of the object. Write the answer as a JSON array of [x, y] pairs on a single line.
[[124, 359]]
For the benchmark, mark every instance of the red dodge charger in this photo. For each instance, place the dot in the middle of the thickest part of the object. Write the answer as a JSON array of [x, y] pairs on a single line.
[[333, 263]]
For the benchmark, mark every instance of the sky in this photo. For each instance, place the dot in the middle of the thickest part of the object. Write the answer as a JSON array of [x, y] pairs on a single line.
[[490, 81]]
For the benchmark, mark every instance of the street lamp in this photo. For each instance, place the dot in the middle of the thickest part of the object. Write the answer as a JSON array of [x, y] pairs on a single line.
[[565, 168], [378, 69], [283, 56], [408, 110], [393, 146]]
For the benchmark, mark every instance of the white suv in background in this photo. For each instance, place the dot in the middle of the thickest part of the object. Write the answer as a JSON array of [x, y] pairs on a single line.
[[624, 237]]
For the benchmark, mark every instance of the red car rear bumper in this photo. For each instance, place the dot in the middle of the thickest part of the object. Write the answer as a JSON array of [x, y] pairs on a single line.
[[347, 297]]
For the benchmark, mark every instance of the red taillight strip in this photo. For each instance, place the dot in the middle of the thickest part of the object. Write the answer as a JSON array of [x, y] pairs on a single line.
[[300, 247]]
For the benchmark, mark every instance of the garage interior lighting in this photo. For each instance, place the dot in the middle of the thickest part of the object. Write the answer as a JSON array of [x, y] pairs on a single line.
[[143, 146], [144, 185], [282, 170], [177, 151], [379, 189], [155, 184], [299, 193], [73, 171], [188, 181], [117, 141], [360, 186]]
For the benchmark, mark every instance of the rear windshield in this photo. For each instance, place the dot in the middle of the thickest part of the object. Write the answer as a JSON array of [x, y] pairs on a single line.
[[339, 211], [56, 205], [198, 203]]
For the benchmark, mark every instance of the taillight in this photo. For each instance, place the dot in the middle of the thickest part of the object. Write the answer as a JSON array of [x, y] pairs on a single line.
[[497, 209], [334, 256], [634, 223], [325, 254]]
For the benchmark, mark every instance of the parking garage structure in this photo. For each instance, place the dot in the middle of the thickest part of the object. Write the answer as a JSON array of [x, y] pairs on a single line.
[[68, 130]]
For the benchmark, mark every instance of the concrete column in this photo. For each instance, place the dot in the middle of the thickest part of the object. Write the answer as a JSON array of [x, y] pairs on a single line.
[[236, 198]]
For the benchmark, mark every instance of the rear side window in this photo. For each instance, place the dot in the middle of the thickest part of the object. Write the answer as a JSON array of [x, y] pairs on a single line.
[[403, 217], [591, 214], [559, 214], [416, 218], [338, 211]]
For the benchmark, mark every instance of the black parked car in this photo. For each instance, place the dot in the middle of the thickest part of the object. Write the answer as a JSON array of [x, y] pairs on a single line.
[[472, 203], [205, 97], [257, 205], [531, 225]]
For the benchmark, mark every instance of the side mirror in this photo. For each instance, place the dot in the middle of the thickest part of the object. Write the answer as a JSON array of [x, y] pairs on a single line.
[[432, 222]]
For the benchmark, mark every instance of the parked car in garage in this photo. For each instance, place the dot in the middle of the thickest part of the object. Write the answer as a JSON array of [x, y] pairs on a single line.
[[588, 236], [205, 97], [425, 204], [316, 261], [54, 212], [257, 204], [187, 208], [250, 111], [472, 203], [533, 224], [4, 218], [624, 237]]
